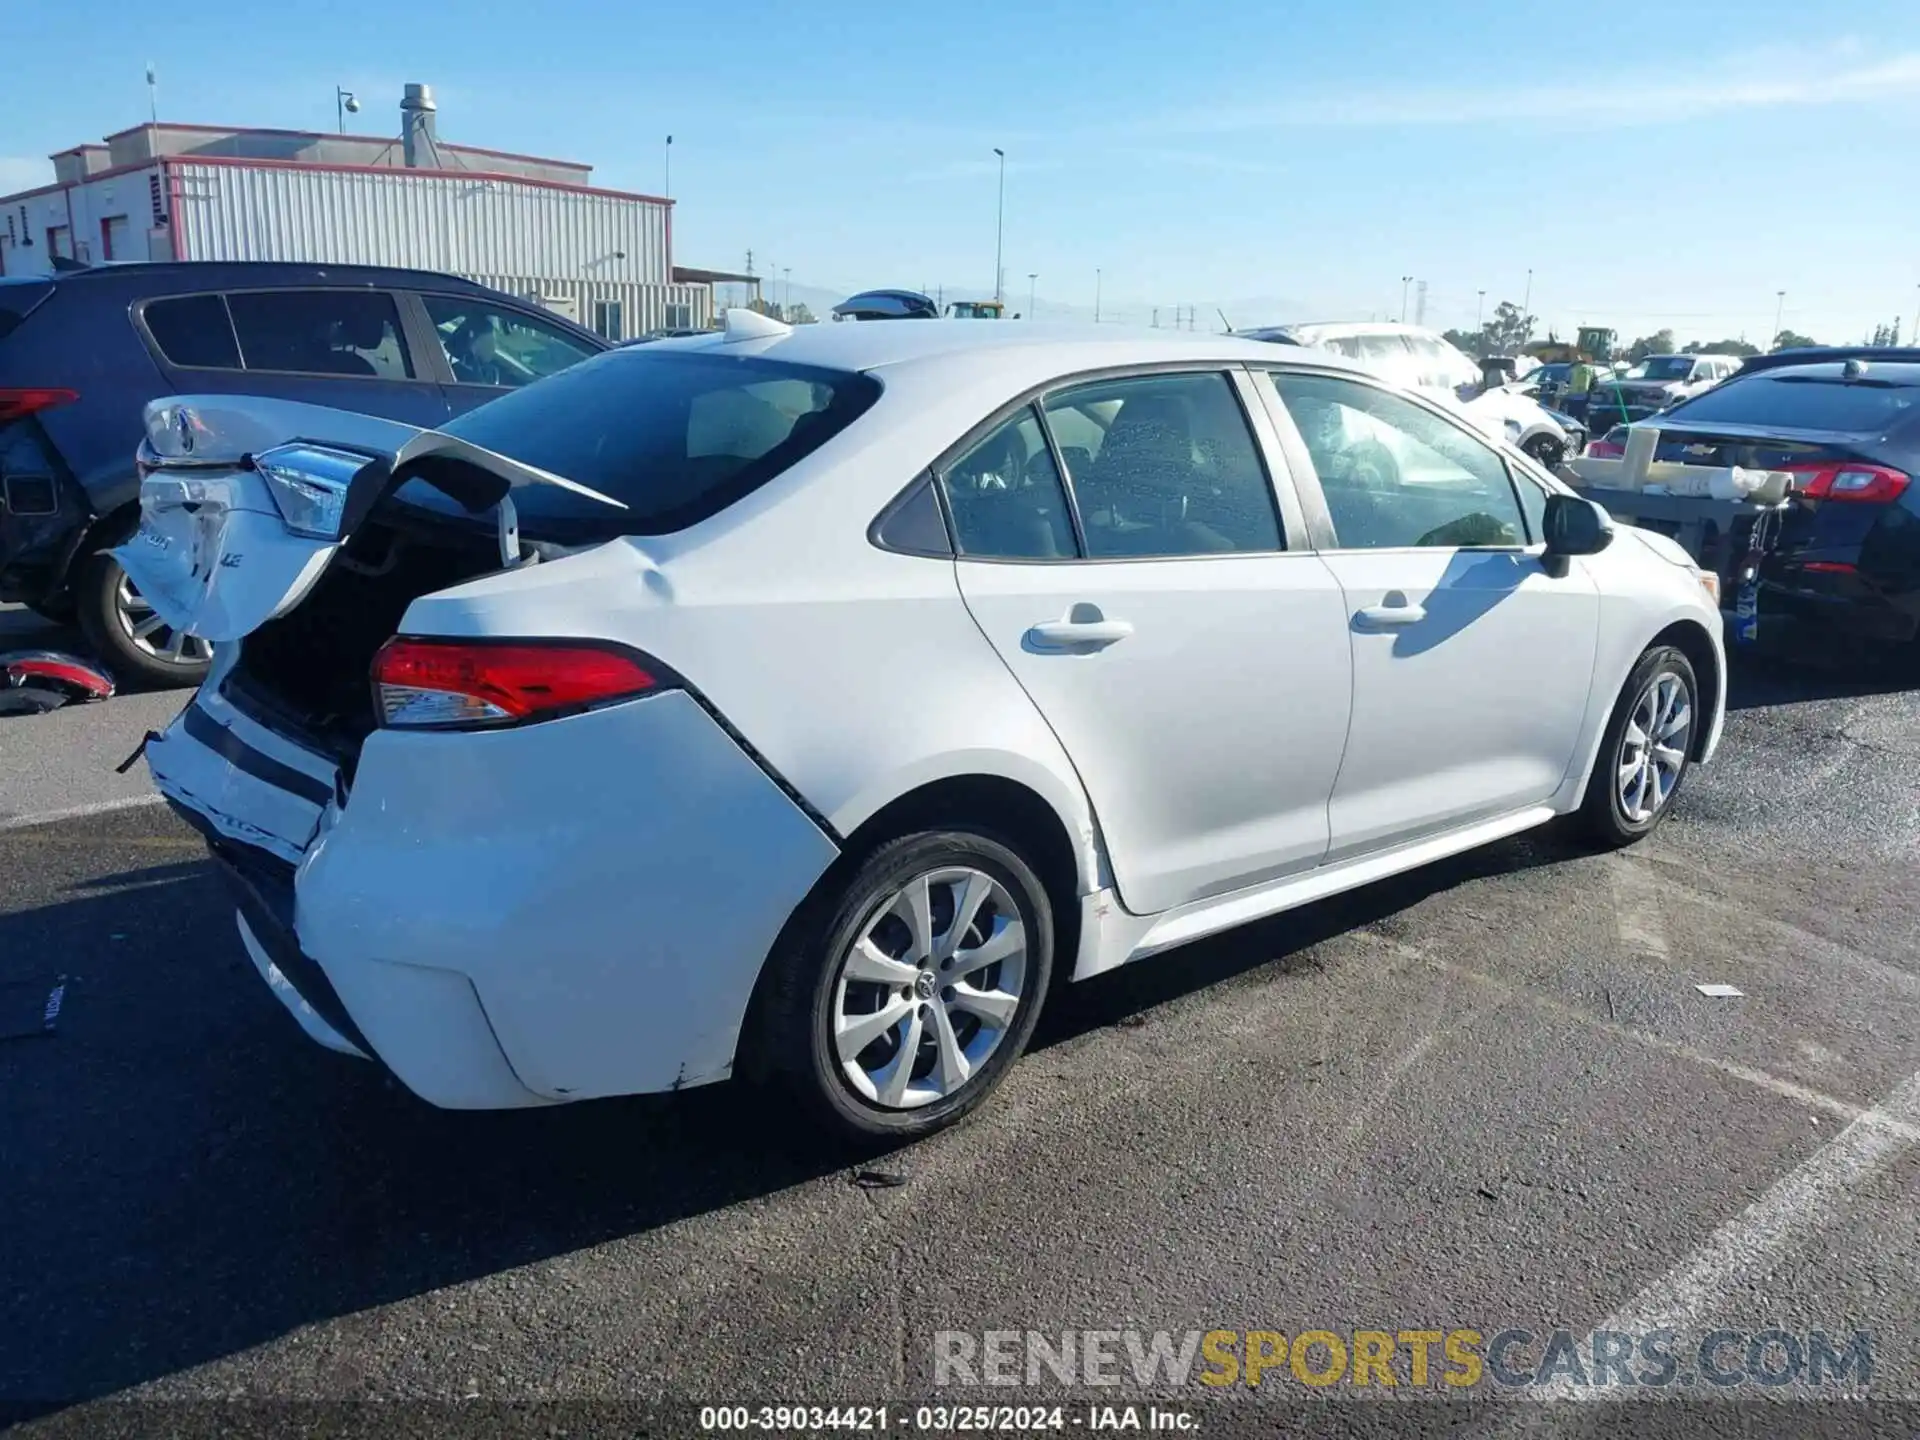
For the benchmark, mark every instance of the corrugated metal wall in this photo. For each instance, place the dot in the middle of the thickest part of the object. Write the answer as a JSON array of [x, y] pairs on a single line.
[[642, 307], [422, 220]]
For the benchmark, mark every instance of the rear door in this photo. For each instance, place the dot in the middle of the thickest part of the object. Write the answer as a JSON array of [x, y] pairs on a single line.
[[1471, 664], [342, 348], [487, 348], [1194, 667]]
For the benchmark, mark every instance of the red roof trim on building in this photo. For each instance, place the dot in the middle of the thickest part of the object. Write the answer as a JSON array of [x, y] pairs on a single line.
[[338, 135], [106, 174], [244, 162]]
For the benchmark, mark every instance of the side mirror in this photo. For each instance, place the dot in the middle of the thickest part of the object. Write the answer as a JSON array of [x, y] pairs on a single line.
[[1575, 527]]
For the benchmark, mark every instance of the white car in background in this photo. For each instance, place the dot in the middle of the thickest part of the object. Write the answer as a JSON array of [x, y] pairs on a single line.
[[800, 703], [1418, 358]]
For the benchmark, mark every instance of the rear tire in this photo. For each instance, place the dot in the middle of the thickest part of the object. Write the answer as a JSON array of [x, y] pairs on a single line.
[[1645, 751], [1545, 449], [949, 933], [112, 615]]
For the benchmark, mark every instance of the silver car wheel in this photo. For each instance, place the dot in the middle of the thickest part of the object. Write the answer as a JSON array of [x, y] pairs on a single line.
[[150, 634], [1653, 748], [930, 988]]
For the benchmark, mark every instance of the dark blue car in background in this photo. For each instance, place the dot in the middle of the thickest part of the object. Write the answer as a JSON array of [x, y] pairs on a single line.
[[83, 351]]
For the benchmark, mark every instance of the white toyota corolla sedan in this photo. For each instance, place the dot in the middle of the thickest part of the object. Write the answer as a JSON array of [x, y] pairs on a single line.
[[803, 703]]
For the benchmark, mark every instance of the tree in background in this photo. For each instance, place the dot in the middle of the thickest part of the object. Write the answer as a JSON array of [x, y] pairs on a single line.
[[1793, 340], [1508, 332], [1471, 341], [1658, 343], [800, 315], [1886, 334], [1719, 347]]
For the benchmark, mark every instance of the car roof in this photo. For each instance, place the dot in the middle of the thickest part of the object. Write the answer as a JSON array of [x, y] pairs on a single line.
[[1902, 372], [1318, 330], [162, 276], [1025, 344]]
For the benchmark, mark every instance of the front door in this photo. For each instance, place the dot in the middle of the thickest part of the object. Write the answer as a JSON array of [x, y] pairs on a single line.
[[1471, 664], [1196, 672]]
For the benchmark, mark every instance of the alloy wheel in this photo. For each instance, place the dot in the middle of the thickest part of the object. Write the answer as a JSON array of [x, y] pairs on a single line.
[[930, 988], [1653, 748], [150, 634]]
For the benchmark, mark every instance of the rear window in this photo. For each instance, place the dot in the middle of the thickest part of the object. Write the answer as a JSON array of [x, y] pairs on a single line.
[[1805, 402], [193, 330], [18, 298], [675, 435]]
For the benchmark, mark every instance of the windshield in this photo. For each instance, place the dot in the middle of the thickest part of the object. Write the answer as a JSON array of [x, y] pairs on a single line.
[[1804, 402], [675, 435], [1663, 367]]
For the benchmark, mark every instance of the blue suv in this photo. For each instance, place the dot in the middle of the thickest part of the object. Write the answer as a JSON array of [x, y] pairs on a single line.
[[82, 351]]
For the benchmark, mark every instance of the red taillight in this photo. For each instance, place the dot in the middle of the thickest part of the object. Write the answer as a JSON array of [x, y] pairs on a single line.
[[1849, 480], [1829, 567], [18, 404], [461, 684]]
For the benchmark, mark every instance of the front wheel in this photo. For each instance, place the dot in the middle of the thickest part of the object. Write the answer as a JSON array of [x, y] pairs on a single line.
[[1645, 750], [1545, 449], [129, 636], [913, 988]]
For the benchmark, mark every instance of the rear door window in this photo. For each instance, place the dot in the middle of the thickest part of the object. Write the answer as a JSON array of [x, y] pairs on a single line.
[[321, 332], [1164, 465], [675, 436], [193, 330]]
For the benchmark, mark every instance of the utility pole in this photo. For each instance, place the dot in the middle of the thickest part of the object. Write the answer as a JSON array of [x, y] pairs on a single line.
[[153, 94], [1479, 313], [1405, 281], [1096, 294], [1779, 307], [1526, 309], [787, 274], [1033, 309], [1000, 228], [666, 189]]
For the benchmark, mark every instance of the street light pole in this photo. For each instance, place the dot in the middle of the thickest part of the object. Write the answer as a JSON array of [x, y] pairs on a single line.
[[666, 188], [1032, 307], [343, 102], [1479, 313], [1526, 308], [1779, 308], [1000, 226], [786, 273], [1405, 281], [1096, 294]]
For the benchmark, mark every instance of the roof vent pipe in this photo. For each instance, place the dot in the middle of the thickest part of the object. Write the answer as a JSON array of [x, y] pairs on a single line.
[[418, 141]]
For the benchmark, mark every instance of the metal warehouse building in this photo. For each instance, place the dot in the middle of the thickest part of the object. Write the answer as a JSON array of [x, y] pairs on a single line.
[[532, 227]]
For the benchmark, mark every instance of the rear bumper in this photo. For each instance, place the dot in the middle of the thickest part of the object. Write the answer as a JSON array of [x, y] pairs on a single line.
[[514, 917], [1846, 609]]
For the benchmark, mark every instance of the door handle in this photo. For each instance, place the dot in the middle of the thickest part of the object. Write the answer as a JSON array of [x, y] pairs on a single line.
[[1394, 613], [1071, 634]]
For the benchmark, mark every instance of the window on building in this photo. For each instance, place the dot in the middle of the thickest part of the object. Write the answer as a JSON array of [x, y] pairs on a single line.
[[488, 344], [193, 330], [679, 317], [1164, 465], [606, 319], [321, 332]]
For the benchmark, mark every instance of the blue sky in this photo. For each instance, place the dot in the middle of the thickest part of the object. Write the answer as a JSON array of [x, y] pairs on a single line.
[[1654, 164]]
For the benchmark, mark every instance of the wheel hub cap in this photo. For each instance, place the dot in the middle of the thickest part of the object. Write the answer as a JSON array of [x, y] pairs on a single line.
[[1653, 749], [929, 988]]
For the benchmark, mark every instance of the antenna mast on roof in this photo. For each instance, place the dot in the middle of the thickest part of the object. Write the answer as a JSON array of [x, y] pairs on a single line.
[[153, 94]]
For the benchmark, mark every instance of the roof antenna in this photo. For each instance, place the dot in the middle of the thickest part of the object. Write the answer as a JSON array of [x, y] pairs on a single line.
[[1854, 368]]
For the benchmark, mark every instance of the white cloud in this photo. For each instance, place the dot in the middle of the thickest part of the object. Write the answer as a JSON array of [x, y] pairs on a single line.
[[22, 172], [1841, 74]]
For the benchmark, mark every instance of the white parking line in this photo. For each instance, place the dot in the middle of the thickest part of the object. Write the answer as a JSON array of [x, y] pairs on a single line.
[[77, 812], [1636, 909], [1805, 1199]]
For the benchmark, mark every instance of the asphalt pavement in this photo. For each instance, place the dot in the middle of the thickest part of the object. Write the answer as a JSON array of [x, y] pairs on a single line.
[[1484, 1097]]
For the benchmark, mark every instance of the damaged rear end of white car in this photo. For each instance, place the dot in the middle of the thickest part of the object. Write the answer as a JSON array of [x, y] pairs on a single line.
[[467, 840]]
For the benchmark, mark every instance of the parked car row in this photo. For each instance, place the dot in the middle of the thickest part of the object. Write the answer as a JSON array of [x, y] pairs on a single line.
[[82, 352]]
